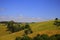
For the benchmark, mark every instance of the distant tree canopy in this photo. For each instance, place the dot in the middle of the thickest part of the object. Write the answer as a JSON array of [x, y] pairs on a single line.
[[57, 22], [14, 27], [10, 26]]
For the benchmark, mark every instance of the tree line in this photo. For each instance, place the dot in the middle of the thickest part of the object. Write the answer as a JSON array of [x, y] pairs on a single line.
[[14, 27], [39, 37]]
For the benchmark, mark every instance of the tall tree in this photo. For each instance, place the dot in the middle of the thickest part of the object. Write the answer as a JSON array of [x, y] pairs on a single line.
[[10, 26]]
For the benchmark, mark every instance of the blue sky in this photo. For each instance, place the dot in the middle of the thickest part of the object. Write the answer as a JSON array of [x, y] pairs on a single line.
[[29, 9]]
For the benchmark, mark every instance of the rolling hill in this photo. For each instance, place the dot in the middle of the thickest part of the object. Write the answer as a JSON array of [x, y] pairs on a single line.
[[46, 27]]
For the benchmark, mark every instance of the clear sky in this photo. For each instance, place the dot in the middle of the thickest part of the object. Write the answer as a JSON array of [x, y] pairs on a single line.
[[29, 9]]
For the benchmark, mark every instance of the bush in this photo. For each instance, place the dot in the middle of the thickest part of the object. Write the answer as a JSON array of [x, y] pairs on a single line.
[[18, 38], [27, 26], [45, 37], [56, 22], [28, 31], [55, 37], [38, 37], [13, 27], [10, 26], [25, 37], [52, 38]]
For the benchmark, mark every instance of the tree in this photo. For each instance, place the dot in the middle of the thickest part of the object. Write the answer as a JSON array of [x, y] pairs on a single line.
[[56, 22], [10, 26], [45, 37], [18, 38], [27, 26], [38, 37], [25, 37], [13, 27], [56, 18], [28, 31], [57, 36], [52, 38]]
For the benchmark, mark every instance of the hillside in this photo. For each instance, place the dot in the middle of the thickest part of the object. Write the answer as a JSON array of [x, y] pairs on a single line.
[[46, 27], [40, 26], [3, 30]]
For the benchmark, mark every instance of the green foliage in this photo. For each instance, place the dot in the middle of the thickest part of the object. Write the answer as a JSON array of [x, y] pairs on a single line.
[[27, 26], [52, 38], [25, 37], [18, 38], [45, 37], [55, 37], [56, 22], [16, 27], [28, 31], [38, 37], [56, 18], [13, 28], [10, 26]]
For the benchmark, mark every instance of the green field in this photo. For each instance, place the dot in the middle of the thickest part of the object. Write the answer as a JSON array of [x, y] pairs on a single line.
[[45, 27]]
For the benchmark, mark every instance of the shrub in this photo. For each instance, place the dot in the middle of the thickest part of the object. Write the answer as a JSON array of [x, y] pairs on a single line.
[[55, 37], [18, 38], [28, 31], [52, 38], [38, 37], [56, 22], [45, 37], [25, 37], [27, 26]]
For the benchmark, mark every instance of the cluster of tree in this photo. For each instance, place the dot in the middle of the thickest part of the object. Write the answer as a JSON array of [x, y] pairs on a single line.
[[40, 37], [14, 28], [27, 29], [57, 22], [5, 22], [25, 37]]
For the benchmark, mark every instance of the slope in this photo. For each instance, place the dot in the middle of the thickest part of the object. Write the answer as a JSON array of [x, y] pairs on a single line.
[[46, 27]]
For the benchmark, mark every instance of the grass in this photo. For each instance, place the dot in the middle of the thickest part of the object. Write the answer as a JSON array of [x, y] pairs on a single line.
[[12, 36], [46, 27], [3, 30]]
